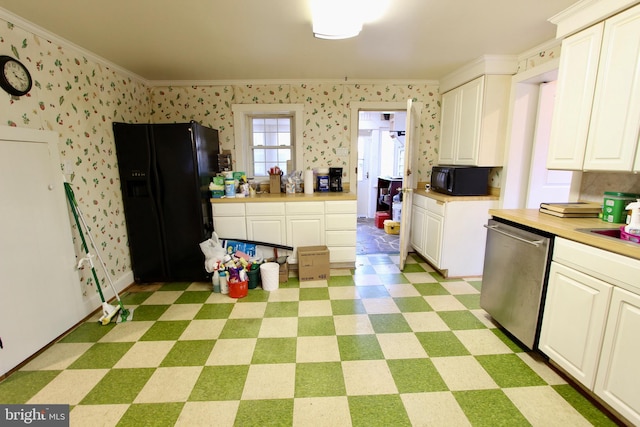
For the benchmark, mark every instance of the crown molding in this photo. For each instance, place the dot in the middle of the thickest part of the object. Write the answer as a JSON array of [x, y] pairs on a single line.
[[53, 38]]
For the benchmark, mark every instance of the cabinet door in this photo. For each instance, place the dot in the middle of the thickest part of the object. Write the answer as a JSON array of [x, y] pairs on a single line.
[[470, 100], [573, 321], [615, 118], [618, 381], [304, 230], [230, 227], [268, 229], [418, 228], [449, 122], [574, 98], [433, 238]]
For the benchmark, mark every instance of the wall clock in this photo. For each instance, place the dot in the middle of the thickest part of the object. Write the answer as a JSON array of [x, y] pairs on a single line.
[[15, 79]]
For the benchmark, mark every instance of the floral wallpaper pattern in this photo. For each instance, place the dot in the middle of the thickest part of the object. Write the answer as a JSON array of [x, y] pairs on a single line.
[[327, 113], [79, 99]]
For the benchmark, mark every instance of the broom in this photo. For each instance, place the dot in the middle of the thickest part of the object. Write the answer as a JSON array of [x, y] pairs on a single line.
[[108, 311]]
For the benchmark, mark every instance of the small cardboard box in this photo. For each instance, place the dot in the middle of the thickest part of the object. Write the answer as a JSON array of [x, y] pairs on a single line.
[[274, 184], [313, 263]]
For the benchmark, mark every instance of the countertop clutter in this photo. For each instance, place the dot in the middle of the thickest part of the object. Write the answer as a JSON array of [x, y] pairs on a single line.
[[284, 197], [569, 228]]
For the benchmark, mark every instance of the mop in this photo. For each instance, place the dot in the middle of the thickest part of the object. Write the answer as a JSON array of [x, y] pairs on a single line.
[[108, 311]]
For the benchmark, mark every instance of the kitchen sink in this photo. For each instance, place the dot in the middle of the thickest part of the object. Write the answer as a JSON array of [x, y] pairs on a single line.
[[607, 233]]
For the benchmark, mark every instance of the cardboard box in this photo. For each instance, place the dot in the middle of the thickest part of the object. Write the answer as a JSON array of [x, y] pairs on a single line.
[[313, 263], [274, 184]]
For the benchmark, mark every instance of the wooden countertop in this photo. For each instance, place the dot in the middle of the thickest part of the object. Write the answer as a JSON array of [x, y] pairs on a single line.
[[447, 198], [568, 228], [283, 197]]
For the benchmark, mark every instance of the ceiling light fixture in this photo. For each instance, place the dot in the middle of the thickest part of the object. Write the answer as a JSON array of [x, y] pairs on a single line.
[[343, 19]]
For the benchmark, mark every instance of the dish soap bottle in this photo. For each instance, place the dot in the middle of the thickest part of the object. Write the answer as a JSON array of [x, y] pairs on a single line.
[[634, 225]]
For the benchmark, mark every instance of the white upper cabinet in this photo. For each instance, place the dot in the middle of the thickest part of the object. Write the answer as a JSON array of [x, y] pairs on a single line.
[[473, 124], [572, 109], [597, 111], [615, 119]]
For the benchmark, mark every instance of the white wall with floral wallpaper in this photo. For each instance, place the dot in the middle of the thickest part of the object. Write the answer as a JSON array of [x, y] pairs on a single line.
[[79, 97], [327, 113]]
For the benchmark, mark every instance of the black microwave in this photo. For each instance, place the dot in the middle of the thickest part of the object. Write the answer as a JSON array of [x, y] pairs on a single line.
[[460, 180]]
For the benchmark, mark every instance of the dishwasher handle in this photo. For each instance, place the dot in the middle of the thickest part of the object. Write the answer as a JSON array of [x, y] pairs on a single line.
[[495, 228]]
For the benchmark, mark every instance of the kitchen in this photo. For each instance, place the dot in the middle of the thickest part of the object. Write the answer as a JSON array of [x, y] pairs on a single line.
[[85, 96]]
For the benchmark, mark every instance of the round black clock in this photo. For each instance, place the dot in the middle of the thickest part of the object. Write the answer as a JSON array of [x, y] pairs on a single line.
[[14, 76]]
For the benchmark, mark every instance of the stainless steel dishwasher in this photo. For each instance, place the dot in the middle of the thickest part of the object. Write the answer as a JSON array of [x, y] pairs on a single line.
[[516, 265]]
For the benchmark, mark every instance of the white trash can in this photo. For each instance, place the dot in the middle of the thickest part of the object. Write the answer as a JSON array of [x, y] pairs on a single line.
[[270, 274], [396, 213]]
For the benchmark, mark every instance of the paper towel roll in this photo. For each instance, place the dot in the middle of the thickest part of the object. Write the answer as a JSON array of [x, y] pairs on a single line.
[[308, 181]]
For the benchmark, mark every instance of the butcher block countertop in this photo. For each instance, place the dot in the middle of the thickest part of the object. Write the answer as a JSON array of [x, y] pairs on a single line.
[[440, 197], [568, 228], [283, 197]]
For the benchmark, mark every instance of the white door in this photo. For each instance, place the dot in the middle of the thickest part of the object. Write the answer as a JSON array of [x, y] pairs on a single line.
[[40, 290], [409, 179], [364, 189], [545, 185]]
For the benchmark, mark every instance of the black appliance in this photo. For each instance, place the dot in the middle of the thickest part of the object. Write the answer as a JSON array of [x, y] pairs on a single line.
[[460, 180], [335, 179], [165, 171]]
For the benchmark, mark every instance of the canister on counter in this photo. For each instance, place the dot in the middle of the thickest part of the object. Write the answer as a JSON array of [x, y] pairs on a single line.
[[322, 177], [613, 206]]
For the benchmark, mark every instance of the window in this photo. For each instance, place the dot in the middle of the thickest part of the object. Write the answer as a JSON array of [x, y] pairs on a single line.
[[270, 143], [267, 135]]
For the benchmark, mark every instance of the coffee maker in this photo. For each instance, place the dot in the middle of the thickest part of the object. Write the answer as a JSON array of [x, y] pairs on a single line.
[[335, 179]]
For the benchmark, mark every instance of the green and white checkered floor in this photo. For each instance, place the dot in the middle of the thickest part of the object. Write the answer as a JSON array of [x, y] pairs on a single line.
[[369, 347]]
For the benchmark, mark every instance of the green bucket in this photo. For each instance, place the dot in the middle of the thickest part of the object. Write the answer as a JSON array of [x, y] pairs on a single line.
[[254, 278]]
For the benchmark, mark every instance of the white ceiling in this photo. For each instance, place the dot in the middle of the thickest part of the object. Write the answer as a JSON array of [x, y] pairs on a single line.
[[272, 39]]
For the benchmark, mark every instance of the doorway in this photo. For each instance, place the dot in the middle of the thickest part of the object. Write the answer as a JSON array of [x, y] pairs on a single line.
[[525, 179], [380, 153]]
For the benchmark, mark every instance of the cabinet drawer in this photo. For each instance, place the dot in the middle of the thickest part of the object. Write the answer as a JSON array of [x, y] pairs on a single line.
[[228, 209], [341, 238], [304, 208], [420, 201], [341, 221], [435, 207], [265, 209], [346, 206], [342, 254], [604, 265]]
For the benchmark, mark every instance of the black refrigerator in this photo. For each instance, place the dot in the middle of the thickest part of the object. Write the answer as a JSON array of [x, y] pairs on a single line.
[[165, 171]]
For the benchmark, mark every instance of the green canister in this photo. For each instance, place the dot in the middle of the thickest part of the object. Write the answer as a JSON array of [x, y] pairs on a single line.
[[613, 206]]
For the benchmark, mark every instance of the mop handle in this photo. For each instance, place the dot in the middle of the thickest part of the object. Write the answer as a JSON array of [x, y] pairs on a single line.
[[73, 204]]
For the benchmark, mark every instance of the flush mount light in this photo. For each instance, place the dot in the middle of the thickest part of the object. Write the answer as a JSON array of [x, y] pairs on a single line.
[[342, 19]]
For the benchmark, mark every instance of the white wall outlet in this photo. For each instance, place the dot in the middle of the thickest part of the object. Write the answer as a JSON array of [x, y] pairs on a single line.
[[342, 151]]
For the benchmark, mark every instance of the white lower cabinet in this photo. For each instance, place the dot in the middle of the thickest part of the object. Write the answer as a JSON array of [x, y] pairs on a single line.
[[573, 326], [450, 235], [591, 322], [229, 220], [341, 225], [331, 223], [618, 380]]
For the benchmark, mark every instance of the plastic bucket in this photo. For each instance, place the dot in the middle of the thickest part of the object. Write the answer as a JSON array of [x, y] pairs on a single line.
[[613, 207], [270, 273], [254, 278], [238, 289]]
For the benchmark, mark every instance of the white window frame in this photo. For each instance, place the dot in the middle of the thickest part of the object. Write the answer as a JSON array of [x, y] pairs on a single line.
[[242, 114]]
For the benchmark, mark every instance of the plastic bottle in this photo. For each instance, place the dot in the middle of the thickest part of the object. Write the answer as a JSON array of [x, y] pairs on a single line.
[[224, 286], [634, 225], [215, 280]]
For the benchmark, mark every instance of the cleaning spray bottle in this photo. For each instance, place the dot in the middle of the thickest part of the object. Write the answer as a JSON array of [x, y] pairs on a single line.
[[634, 225]]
